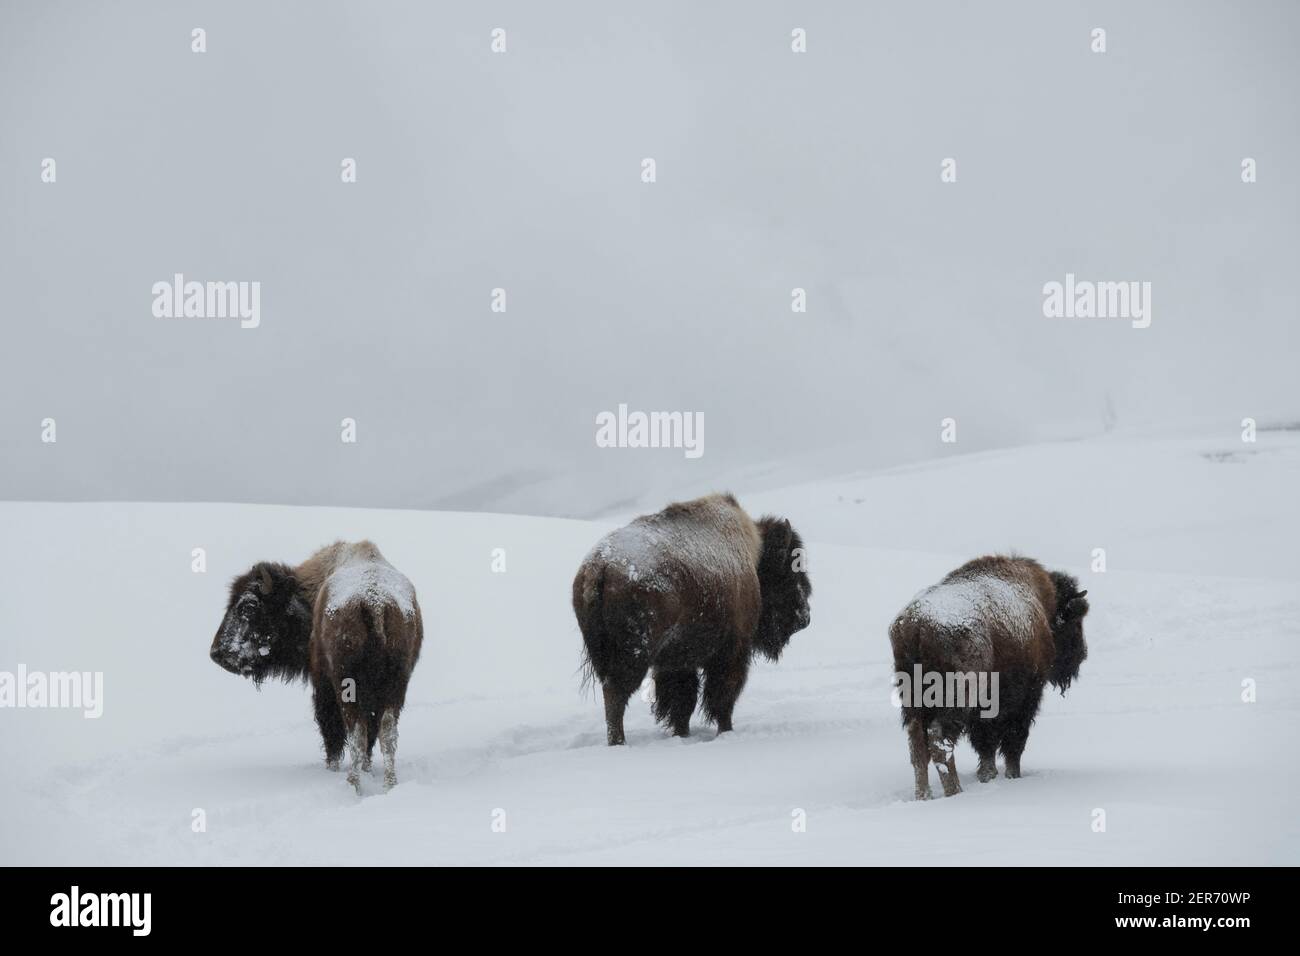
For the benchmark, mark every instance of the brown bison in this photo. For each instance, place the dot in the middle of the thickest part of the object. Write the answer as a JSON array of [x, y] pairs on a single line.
[[1002, 621], [697, 587], [346, 619]]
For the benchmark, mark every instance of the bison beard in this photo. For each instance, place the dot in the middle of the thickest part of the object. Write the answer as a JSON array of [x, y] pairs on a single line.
[[692, 592], [995, 614], [344, 619]]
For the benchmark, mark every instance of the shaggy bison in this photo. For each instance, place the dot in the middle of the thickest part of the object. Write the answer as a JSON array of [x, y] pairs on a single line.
[[346, 619], [1004, 620], [699, 586]]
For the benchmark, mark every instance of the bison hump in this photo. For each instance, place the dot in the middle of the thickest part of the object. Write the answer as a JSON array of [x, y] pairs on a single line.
[[375, 584], [973, 606], [660, 555]]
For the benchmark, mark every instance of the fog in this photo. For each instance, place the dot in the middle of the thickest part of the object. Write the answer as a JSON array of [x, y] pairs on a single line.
[[522, 171]]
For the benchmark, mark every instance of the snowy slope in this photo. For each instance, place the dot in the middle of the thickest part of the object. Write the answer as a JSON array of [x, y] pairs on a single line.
[[1200, 593]]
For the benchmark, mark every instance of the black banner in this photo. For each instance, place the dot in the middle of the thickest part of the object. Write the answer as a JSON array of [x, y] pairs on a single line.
[[241, 904]]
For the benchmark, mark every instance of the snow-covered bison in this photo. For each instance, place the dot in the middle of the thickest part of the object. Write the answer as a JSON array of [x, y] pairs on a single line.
[[698, 586], [1006, 618], [347, 620]]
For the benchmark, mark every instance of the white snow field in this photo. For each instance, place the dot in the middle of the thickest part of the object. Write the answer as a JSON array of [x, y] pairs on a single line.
[[1200, 594]]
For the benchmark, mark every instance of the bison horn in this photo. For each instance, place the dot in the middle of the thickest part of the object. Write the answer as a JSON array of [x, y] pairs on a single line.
[[1080, 594], [266, 581]]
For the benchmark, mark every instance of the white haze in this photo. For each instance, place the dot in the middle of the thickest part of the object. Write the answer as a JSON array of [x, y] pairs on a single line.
[[521, 170]]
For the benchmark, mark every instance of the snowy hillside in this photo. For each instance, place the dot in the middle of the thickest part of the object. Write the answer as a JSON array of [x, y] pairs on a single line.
[[1202, 591]]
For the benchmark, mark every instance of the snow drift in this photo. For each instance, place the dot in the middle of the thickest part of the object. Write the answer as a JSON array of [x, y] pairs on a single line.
[[505, 761]]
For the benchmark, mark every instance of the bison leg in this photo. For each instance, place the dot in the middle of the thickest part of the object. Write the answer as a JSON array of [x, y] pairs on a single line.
[[724, 679], [372, 735], [1015, 728], [330, 721], [676, 693], [356, 750], [920, 757], [941, 753], [984, 738], [1014, 739], [388, 747], [615, 706]]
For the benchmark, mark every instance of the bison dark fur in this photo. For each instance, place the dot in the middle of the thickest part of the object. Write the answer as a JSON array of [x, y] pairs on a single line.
[[344, 619], [692, 592], [995, 615]]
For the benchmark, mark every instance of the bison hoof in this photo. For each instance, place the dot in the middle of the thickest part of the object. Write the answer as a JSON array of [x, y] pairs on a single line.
[[332, 763], [985, 774], [1013, 772], [924, 794], [390, 781]]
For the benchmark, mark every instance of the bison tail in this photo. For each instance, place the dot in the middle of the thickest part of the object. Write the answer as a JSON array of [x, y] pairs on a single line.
[[375, 637], [588, 605], [906, 644]]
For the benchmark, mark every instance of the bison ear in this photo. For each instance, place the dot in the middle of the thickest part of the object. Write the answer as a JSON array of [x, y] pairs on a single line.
[[267, 585]]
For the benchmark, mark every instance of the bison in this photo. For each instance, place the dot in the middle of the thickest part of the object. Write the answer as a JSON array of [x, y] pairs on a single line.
[[1005, 618], [699, 586], [347, 620]]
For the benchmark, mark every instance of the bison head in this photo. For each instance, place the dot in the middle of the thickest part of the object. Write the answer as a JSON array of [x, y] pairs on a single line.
[[783, 582], [266, 627], [1067, 630]]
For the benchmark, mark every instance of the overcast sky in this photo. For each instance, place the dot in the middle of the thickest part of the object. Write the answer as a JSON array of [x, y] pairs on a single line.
[[522, 170]]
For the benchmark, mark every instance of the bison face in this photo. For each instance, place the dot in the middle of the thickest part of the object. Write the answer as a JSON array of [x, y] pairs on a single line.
[[266, 626], [785, 587], [1067, 630]]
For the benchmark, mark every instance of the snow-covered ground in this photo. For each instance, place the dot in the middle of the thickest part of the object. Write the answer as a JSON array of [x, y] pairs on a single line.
[[1201, 592]]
